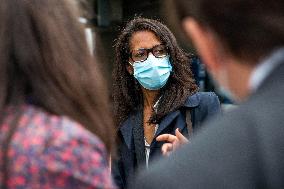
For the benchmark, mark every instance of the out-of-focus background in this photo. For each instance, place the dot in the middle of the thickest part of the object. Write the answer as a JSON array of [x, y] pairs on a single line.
[[105, 18]]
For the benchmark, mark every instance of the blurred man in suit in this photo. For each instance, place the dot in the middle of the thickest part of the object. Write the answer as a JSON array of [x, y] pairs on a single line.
[[242, 44]]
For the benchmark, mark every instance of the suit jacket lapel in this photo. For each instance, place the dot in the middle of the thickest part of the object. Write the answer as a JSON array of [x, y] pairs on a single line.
[[132, 132], [167, 121], [139, 142], [126, 131], [191, 102]]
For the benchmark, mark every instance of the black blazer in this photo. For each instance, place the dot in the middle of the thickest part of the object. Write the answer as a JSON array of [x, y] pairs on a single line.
[[131, 151]]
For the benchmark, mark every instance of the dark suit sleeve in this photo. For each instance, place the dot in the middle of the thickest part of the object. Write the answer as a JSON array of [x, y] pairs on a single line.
[[223, 155]]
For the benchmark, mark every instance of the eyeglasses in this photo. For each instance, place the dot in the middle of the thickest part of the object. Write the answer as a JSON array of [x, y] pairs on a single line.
[[141, 55]]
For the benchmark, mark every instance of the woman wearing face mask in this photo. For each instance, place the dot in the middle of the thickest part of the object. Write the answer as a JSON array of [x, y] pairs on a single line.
[[154, 93]]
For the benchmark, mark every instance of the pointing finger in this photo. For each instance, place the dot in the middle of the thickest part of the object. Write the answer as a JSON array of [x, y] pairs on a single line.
[[182, 139], [166, 137]]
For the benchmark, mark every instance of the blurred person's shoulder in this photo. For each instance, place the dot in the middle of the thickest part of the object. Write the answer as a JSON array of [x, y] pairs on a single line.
[[63, 128], [62, 148], [38, 127]]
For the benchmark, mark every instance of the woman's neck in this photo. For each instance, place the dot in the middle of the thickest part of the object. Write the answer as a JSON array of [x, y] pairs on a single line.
[[149, 96]]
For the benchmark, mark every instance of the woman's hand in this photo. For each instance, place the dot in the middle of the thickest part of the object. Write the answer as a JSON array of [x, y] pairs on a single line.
[[172, 142]]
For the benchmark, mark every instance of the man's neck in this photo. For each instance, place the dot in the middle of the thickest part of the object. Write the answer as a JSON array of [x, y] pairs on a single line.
[[240, 79]]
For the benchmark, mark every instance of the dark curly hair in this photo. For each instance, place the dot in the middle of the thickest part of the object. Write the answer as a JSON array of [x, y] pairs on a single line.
[[127, 93]]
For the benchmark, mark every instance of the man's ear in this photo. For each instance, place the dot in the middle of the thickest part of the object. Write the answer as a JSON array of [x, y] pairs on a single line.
[[204, 41]]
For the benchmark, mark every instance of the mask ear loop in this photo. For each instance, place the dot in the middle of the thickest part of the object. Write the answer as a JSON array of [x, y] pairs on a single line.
[[132, 72], [136, 83]]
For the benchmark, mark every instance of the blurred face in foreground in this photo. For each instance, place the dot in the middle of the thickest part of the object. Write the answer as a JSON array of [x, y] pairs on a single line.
[[229, 71]]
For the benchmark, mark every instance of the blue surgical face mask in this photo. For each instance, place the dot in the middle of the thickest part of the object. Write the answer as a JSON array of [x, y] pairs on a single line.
[[153, 73]]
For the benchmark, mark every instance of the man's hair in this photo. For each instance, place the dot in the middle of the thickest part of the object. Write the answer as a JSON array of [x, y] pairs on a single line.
[[127, 94], [249, 29]]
